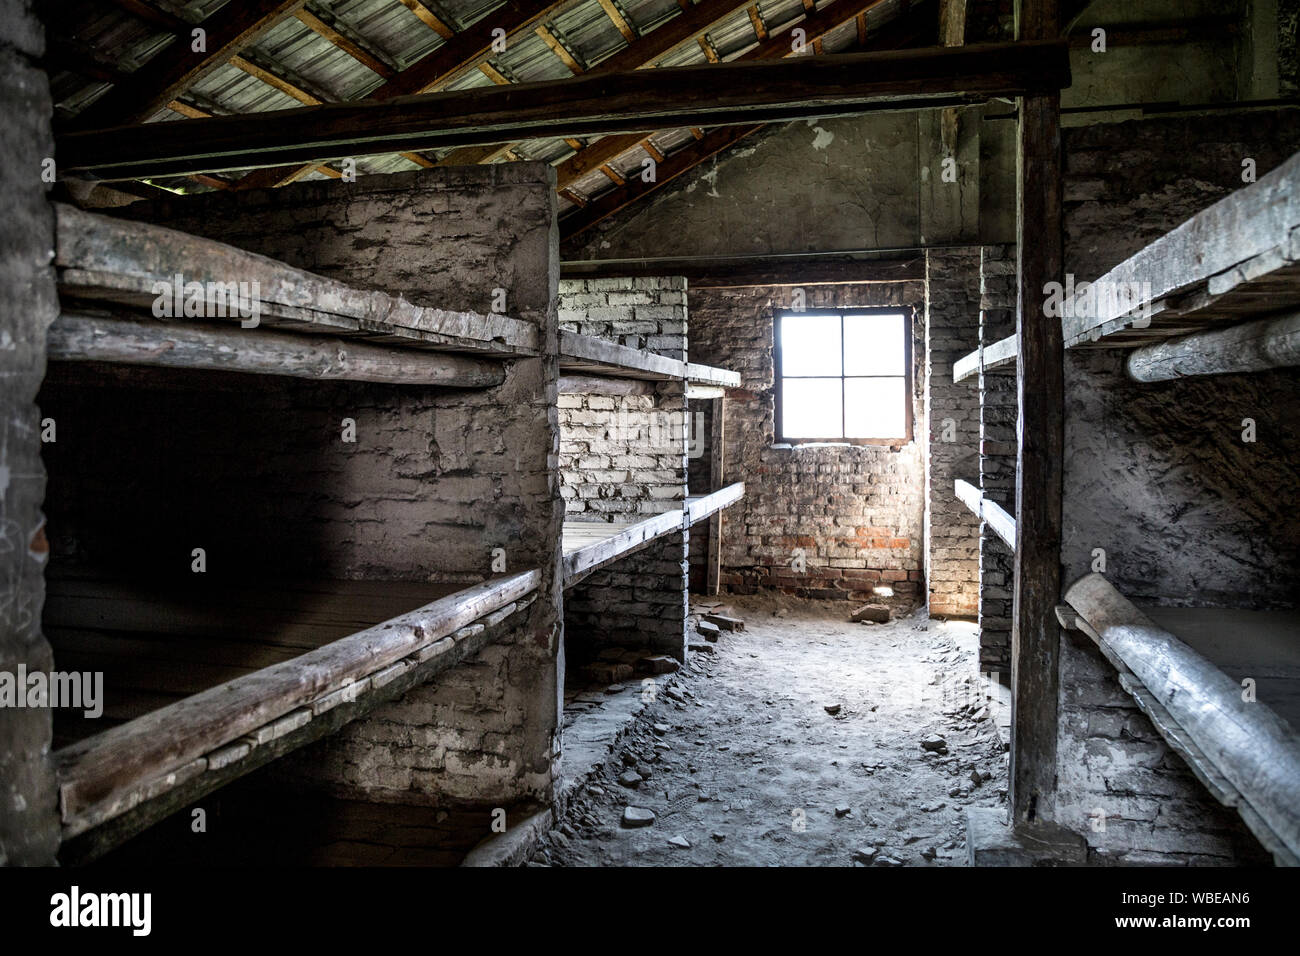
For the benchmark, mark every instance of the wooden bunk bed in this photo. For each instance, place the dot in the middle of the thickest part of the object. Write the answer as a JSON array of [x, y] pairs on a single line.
[[1243, 747]]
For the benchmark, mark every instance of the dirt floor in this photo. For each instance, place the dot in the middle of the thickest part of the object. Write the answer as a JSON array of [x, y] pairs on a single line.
[[797, 741]]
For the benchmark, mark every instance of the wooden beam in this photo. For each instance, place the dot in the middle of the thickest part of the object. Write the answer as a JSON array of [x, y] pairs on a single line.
[[990, 512], [1040, 386], [681, 30], [756, 21], [699, 507], [601, 385], [93, 774], [1249, 347], [287, 87], [347, 44], [999, 355], [952, 22], [617, 18], [430, 19], [557, 47], [707, 95], [816, 26], [78, 337], [741, 271], [177, 67], [106, 259]]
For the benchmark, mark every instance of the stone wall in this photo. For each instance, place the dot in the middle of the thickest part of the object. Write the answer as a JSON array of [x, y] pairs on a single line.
[[849, 515], [998, 406], [622, 459], [29, 823], [437, 477], [1159, 479], [952, 306]]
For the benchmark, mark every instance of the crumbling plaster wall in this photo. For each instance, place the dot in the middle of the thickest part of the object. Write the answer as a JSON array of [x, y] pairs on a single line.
[[29, 823], [476, 468]]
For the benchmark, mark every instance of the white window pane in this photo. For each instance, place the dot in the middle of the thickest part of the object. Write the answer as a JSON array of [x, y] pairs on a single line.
[[810, 345], [875, 408], [810, 408], [873, 345]]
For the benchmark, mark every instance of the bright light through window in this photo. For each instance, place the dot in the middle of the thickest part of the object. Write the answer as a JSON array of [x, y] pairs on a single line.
[[843, 376]]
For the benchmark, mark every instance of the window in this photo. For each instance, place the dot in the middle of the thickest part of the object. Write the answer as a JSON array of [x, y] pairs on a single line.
[[844, 375]]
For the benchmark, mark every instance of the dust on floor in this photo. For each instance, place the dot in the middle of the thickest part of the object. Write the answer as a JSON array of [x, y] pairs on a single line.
[[802, 740]]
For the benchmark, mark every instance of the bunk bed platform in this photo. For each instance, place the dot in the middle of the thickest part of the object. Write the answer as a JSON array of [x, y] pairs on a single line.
[[588, 355], [205, 687], [116, 262], [591, 545], [1218, 294], [990, 512], [1243, 748]]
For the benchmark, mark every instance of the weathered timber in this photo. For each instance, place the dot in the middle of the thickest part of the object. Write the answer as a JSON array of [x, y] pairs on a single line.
[[590, 545], [1035, 645], [1245, 742], [1249, 347], [999, 355], [114, 260], [713, 272], [713, 94], [601, 385], [990, 512], [102, 769], [91, 338], [699, 507]]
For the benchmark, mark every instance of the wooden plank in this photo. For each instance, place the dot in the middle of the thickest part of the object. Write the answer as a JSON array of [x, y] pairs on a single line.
[[600, 385], [707, 95], [104, 768], [586, 353], [177, 67], [78, 337], [116, 260], [1249, 347], [1040, 387], [1255, 750], [990, 512], [589, 549], [1242, 237], [722, 272], [815, 26], [699, 507], [999, 355], [709, 375]]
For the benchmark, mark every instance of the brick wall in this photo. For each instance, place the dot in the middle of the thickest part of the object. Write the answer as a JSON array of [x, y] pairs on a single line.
[[1157, 476], [437, 478], [622, 459], [852, 513], [952, 306], [998, 403]]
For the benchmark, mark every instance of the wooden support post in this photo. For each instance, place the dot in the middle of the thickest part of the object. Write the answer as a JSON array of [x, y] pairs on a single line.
[[713, 572], [1035, 642]]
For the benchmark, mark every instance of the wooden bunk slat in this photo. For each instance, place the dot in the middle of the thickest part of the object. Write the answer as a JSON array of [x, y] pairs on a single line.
[[1243, 742], [990, 512], [115, 260], [589, 545], [79, 337], [699, 507], [999, 355], [94, 771], [589, 355]]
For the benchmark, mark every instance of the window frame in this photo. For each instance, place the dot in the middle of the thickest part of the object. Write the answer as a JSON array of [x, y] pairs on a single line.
[[779, 377]]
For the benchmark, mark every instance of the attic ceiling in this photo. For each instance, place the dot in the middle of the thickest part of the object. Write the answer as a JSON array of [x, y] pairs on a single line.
[[287, 55]]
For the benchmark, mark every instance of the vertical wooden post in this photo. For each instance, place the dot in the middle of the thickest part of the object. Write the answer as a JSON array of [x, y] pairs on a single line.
[[1040, 385], [713, 570]]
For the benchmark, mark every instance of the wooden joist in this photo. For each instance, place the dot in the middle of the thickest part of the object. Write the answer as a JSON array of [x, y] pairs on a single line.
[[81, 337], [101, 776], [699, 507], [589, 355], [1249, 347], [127, 263], [999, 355], [990, 512], [710, 375], [721, 272], [713, 94], [1242, 750]]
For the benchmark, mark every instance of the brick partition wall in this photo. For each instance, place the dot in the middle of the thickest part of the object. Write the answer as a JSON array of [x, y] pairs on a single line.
[[997, 459], [622, 459], [437, 478], [853, 513], [952, 306]]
